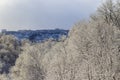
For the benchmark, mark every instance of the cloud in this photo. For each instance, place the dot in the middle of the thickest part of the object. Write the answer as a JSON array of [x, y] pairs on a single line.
[[40, 14]]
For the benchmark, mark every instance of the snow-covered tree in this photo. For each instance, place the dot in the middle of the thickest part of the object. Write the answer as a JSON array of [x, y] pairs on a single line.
[[9, 51]]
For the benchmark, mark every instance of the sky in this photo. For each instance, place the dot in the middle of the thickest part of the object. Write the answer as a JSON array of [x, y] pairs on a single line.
[[44, 14]]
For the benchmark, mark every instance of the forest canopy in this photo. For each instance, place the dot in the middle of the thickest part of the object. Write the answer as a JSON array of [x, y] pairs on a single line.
[[91, 51]]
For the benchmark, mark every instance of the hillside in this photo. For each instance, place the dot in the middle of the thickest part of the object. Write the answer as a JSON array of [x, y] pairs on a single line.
[[38, 35]]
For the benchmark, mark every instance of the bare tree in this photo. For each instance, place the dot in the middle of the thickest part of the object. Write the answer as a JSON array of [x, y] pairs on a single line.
[[30, 65], [109, 11]]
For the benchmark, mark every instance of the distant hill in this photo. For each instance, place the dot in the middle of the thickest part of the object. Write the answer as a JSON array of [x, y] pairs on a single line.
[[38, 35]]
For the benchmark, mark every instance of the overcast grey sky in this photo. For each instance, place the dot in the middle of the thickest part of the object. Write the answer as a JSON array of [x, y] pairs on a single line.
[[44, 14]]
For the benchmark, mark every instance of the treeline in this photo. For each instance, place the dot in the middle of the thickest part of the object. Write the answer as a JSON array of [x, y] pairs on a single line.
[[38, 35], [90, 52]]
